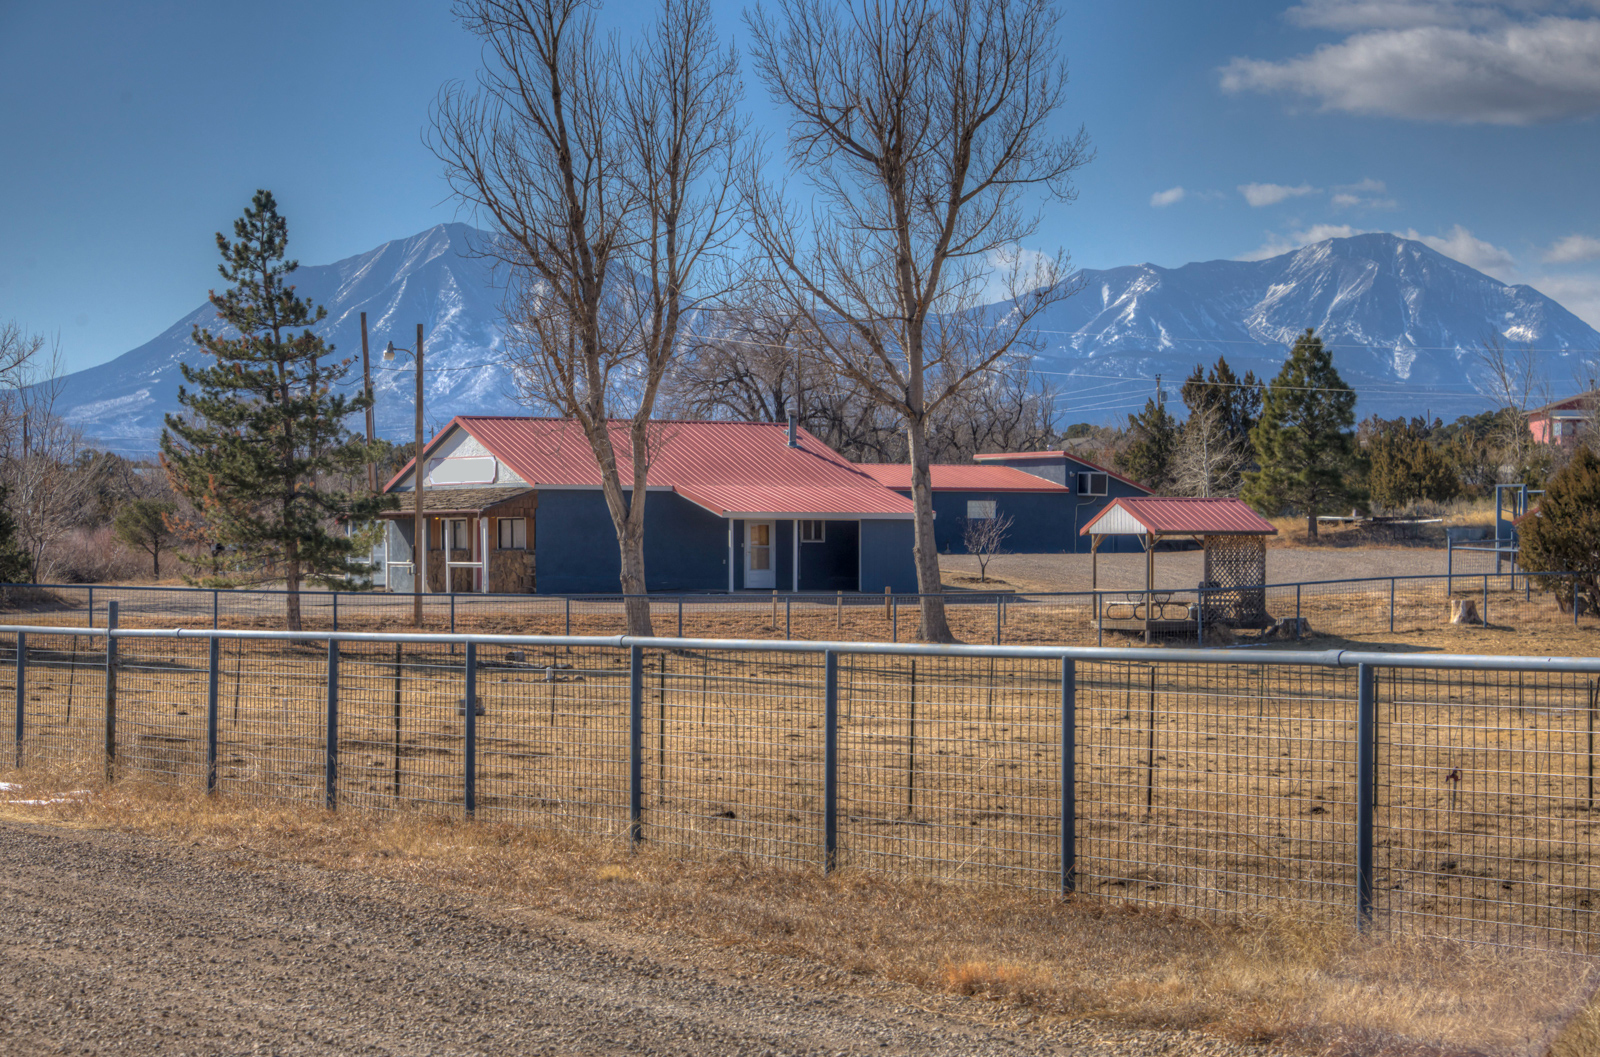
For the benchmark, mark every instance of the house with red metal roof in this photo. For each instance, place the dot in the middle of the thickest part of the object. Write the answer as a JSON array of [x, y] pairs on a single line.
[[514, 504], [1048, 495]]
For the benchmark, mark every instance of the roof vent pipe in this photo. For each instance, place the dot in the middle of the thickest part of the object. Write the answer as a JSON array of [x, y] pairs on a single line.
[[794, 430]]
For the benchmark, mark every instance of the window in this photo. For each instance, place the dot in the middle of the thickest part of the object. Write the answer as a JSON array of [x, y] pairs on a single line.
[[513, 533], [811, 531], [980, 509], [1091, 484], [460, 538]]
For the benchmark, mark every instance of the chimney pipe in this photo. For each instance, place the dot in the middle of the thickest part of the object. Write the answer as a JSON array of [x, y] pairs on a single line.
[[794, 430]]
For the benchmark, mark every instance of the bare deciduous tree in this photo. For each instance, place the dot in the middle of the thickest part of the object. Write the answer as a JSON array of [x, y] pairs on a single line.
[[607, 179], [1210, 460], [921, 125], [1516, 385], [984, 537]]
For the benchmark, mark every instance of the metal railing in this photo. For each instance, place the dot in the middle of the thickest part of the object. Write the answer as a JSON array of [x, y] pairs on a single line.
[[1350, 608], [1452, 795]]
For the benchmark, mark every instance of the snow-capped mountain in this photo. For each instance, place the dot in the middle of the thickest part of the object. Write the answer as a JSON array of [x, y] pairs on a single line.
[[1406, 324], [434, 278]]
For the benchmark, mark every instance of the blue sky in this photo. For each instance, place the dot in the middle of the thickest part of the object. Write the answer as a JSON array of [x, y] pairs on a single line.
[[134, 132]]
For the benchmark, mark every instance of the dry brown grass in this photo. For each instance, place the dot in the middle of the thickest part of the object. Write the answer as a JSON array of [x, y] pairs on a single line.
[[1297, 977]]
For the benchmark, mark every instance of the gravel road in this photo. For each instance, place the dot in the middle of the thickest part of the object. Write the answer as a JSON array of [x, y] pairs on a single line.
[[112, 943]]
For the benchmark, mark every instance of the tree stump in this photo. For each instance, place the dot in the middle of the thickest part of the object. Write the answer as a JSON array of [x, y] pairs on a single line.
[[1464, 611]]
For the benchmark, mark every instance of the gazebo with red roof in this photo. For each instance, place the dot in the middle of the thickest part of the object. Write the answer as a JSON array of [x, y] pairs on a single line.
[[1234, 537]]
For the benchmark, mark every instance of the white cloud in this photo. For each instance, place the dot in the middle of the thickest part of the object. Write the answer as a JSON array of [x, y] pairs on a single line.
[[1168, 197], [1458, 62], [1578, 294], [1458, 244], [1462, 245], [1574, 249], [1278, 244], [1259, 195]]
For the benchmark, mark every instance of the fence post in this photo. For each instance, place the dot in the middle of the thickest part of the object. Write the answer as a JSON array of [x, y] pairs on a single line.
[[216, 609], [680, 616], [1484, 616], [91, 607], [894, 620], [469, 777], [569, 615], [838, 611], [635, 745], [336, 614], [22, 690], [330, 759], [1366, 768], [830, 761], [1391, 605], [1069, 775], [1199, 616], [213, 675], [788, 616], [111, 690], [1297, 624], [997, 618]]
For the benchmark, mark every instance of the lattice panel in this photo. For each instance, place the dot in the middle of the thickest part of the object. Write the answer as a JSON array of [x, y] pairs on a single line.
[[1236, 574]]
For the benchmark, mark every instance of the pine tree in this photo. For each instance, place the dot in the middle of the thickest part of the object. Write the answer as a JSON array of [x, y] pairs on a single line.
[[14, 565], [1234, 402], [264, 430], [1154, 441], [1564, 535], [1303, 441]]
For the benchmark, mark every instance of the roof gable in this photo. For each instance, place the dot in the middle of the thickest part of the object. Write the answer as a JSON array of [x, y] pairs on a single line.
[[1177, 516], [1059, 456]]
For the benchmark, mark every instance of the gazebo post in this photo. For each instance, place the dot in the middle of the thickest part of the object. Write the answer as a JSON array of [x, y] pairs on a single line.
[[1094, 563], [1149, 578]]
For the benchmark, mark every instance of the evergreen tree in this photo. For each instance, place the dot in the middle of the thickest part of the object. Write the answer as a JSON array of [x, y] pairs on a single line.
[[1406, 463], [264, 428], [1153, 441], [1303, 441], [14, 565], [1234, 402], [144, 523], [1564, 535]]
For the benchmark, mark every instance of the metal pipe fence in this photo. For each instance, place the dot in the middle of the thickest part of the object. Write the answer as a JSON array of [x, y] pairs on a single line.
[[1450, 795], [1353, 608]]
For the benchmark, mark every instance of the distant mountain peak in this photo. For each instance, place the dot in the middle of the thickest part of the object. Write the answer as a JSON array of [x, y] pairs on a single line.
[[1405, 323]]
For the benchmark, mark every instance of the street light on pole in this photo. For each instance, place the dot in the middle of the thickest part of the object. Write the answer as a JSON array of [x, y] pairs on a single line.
[[419, 541]]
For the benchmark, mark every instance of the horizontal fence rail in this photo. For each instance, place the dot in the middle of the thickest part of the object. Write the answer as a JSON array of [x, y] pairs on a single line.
[[1201, 616], [1449, 795]]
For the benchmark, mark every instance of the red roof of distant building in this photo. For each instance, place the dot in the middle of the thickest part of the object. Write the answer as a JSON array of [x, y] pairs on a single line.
[[1042, 456], [1170, 516], [959, 478], [732, 469]]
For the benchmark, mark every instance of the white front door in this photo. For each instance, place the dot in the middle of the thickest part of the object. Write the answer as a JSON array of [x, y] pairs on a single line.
[[758, 570]]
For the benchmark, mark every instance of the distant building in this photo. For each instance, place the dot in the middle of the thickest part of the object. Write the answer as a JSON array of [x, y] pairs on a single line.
[[1049, 496], [1561, 422], [514, 504]]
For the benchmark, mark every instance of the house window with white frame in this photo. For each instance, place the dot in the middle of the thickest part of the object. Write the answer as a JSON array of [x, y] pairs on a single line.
[[980, 509], [812, 531], [457, 534], [1092, 483], [513, 533]]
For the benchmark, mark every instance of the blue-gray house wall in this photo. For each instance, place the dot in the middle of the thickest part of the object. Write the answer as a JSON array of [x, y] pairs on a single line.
[[686, 549], [1082, 509], [1041, 522], [575, 545]]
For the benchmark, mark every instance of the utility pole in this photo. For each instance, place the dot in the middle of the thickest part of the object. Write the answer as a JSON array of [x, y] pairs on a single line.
[[366, 375]]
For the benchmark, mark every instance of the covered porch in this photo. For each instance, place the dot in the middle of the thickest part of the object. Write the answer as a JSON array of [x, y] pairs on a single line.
[[477, 540]]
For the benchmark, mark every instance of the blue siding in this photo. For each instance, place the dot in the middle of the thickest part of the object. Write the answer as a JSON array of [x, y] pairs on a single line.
[[1042, 522], [833, 564], [575, 545], [886, 556]]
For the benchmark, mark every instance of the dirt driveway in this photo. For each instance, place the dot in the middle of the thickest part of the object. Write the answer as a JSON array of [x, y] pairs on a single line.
[[116, 943]]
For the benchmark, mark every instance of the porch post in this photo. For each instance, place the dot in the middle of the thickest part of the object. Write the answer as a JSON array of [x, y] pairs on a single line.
[[730, 556], [795, 565], [422, 556], [483, 553]]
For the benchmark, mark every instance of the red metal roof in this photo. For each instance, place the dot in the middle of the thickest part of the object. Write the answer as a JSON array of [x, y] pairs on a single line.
[[1176, 516], [1043, 456], [958, 478], [730, 468]]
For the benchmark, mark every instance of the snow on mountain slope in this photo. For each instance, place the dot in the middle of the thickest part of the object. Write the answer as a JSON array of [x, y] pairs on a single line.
[[432, 278], [1407, 325]]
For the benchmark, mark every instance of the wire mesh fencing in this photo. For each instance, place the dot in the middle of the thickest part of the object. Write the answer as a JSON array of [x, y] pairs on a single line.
[[1449, 799]]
